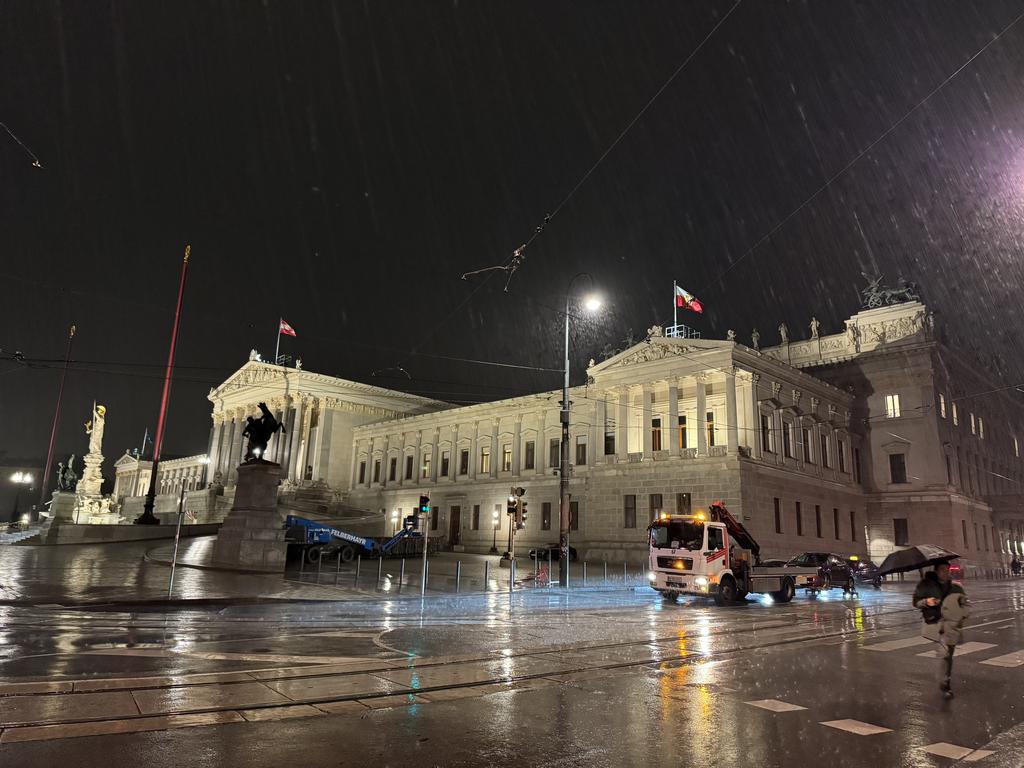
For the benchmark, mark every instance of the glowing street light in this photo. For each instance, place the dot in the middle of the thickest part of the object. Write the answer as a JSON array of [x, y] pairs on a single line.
[[20, 479]]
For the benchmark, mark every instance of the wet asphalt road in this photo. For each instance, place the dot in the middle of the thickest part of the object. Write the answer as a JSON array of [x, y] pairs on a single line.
[[613, 678]]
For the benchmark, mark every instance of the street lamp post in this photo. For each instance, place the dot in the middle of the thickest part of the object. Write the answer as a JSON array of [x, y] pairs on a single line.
[[592, 304], [494, 538]]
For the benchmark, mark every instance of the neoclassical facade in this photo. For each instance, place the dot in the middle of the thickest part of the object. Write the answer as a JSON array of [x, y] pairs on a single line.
[[131, 476]]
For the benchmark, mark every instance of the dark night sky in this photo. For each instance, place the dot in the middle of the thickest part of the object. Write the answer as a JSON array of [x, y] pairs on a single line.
[[341, 164]]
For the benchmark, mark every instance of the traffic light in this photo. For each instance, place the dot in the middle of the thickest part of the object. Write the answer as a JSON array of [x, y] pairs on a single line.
[[424, 508], [511, 509], [523, 512]]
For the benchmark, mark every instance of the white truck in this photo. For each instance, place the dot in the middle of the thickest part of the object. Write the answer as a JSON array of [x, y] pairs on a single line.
[[714, 555]]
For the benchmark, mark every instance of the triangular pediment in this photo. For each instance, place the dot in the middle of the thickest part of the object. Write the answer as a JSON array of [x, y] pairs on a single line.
[[125, 460], [659, 348]]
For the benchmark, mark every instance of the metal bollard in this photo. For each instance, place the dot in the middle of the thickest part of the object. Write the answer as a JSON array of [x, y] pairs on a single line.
[[605, 571], [359, 562], [426, 575], [511, 575], [623, 573], [401, 576], [584, 573], [551, 575], [302, 563], [338, 571], [487, 570], [380, 568], [319, 563], [458, 574]]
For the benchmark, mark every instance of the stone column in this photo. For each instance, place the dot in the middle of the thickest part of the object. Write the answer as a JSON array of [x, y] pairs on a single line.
[[474, 452], [434, 454], [731, 427], [295, 444], [596, 447], [385, 463], [453, 465], [622, 427], [495, 450], [214, 454], [224, 460], [517, 439], [646, 427], [540, 452], [702, 408], [673, 418], [325, 422], [280, 438], [755, 417], [284, 456]]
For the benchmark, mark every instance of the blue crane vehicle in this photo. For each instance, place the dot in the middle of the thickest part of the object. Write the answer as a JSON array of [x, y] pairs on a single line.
[[318, 539]]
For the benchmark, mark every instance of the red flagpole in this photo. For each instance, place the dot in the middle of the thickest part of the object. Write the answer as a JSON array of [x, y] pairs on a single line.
[[147, 517], [56, 419]]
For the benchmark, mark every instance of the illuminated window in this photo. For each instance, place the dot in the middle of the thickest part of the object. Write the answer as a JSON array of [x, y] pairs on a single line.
[[981, 428], [1016, 447], [974, 425], [956, 416], [787, 440], [808, 448], [485, 461], [506, 458], [655, 434], [426, 467], [581, 450], [942, 405], [711, 428], [892, 406], [682, 432]]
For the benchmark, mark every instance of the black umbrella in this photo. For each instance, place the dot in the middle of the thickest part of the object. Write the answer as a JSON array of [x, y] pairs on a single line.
[[916, 558]]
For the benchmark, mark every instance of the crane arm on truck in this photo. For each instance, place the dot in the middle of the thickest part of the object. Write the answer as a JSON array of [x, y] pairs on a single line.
[[736, 529]]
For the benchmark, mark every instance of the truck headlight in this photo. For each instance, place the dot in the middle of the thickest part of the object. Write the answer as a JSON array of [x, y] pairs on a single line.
[[651, 576], [701, 581]]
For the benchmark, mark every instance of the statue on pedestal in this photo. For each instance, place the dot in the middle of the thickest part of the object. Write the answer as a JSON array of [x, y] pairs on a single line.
[[259, 431], [815, 328], [755, 339], [94, 428], [67, 479], [784, 333]]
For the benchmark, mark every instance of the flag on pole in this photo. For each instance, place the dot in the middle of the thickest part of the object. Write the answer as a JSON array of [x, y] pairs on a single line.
[[286, 329], [687, 300]]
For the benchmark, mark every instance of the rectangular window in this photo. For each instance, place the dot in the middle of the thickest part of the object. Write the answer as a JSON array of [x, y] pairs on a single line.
[[485, 461], [393, 468], [433, 518], [681, 426], [629, 510], [716, 539], [897, 468], [835, 522], [529, 455], [766, 433], [1016, 447], [426, 467], [581, 451], [981, 428], [506, 458], [711, 428], [554, 452], [609, 443], [445, 455], [974, 425], [892, 406], [956, 416], [574, 515], [841, 454], [799, 519], [900, 532], [655, 503], [362, 472], [545, 516], [655, 434], [682, 503], [942, 405], [823, 451], [787, 440], [376, 471], [476, 517], [963, 527], [808, 456], [778, 516], [408, 467], [817, 520], [853, 525], [464, 461]]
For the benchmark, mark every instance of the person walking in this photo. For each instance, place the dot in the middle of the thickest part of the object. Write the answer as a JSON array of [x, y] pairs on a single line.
[[944, 608], [1015, 566]]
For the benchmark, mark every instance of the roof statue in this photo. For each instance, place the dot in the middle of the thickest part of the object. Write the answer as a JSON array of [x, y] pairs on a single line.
[[877, 295]]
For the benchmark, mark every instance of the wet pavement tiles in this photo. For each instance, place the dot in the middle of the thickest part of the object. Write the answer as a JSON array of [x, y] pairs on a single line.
[[108, 727], [335, 686], [197, 697], [280, 713], [54, 708]]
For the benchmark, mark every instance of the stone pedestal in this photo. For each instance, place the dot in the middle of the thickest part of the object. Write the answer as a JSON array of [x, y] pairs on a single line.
[[62, 506], [252, 536]]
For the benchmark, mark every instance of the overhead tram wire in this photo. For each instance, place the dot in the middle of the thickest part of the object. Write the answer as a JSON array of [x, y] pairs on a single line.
[[834, 177]]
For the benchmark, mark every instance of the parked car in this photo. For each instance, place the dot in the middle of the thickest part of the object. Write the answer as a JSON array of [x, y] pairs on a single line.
[[553, 549], [865, 571], [833, 571], [773, 563]]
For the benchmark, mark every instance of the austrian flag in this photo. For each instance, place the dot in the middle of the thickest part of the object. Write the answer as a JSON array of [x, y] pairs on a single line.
[[688, 301], [286, 329]]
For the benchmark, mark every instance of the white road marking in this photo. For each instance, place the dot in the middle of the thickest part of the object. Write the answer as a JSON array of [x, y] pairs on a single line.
[[952, 751], [893, 645], [857, 727], [962, 650], [774, 705], [1014, 659]]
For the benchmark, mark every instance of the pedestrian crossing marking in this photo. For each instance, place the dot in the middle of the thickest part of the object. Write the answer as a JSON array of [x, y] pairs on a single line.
[[1014, 659], [952, 751], [894, 645], [774, 705], [857, 727], [962, 650]]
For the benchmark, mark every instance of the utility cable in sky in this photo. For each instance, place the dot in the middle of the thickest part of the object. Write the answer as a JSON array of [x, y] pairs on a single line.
[[828, 182], [518, 256], [35, 160]]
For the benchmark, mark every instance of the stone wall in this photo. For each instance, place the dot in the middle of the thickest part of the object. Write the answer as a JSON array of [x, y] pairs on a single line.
[[69, 533]]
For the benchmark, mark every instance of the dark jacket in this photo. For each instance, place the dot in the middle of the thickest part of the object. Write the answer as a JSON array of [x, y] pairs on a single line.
[[930, 586]]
